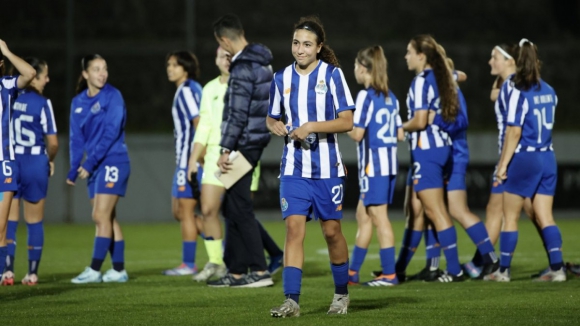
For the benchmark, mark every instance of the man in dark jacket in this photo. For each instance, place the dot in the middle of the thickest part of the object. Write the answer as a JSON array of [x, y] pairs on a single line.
[[244, 130]]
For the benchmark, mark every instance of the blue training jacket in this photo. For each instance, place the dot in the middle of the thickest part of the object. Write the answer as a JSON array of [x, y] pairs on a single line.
[[97, 128]]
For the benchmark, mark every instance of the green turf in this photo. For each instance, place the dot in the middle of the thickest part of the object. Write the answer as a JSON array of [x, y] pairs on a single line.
[[152, 299]]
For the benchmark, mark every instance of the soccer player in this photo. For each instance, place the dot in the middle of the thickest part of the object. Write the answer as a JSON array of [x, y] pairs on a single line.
[[377, 128], [9, 87], [317, 105], [206, 141], [244, 130], [32, 120], [527, 166], [183, 70], [97, 129], [503, 65], [433, 89]]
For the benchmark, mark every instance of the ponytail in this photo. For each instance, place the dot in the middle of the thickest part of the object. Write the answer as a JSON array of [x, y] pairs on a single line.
[[85, 63], [527, 66], [374, 60], [436, 58], [314, 25]]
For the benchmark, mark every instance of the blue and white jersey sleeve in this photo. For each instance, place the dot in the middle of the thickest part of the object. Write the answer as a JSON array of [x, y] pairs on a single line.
[[115, 119], [47, 119], [275, 107], [189, 102], [364, 110], [8, 93], [340, 92]]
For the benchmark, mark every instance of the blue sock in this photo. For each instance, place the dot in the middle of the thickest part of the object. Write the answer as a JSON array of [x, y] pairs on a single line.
[[3, 254], [340, 275], [202, 235], [188, 253], [11, 241], [411, 240], [35, 244], [553, 240], [448, 241], [479, 237], [432, 249], [292, 282], [118, 256], [358, 257], [100, 249], [387, 260], [507, 246]]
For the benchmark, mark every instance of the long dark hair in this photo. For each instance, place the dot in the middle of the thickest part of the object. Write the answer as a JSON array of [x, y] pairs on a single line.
[[527, 66], [39, 65], [188, 61], [373, 58], [85, 63], [314, 25], [436, 58], [513, 51]]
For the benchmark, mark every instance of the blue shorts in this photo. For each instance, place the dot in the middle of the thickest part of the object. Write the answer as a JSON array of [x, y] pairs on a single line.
[[34, 172], [109, 179], [430, 167], [531, 173], [9, 180], [377, 190], [180, 187], [496, 186], [319, 197], [456, 181]]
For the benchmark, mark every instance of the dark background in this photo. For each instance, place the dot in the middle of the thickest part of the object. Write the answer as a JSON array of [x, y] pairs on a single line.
[[134, 36]]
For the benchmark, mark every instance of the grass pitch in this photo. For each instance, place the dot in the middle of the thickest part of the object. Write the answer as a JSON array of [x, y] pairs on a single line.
[[152, 299]]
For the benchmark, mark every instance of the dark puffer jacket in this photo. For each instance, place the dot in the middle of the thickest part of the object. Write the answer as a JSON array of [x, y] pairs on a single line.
[[247, 99]]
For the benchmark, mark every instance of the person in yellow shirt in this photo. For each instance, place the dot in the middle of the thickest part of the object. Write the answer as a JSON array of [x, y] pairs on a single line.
[[206, 146]]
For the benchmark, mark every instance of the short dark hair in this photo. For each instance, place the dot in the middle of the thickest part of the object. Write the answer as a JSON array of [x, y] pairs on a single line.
[[228, 25]]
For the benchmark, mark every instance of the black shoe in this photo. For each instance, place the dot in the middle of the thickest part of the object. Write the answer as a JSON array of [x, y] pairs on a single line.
[[400, 276], [487, 269], [226, 281], [426, 275], [254, 280], [449, 278]]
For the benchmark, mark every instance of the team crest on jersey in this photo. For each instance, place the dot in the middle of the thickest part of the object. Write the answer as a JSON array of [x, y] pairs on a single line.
[[321, 87], [284, 204], [96, 108]]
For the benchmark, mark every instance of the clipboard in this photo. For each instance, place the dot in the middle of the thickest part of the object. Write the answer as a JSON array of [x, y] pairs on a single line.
[[240, 166]]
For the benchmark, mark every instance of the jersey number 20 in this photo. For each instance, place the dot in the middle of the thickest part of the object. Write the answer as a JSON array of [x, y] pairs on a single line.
[[388, 125]]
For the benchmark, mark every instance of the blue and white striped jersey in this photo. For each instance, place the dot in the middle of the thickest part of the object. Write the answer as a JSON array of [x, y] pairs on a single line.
[[185, 108], [97, 129], [534, 111], [32, 119], [318, 96], [379, 116], [8, 94], [424, 95], [501, 105]]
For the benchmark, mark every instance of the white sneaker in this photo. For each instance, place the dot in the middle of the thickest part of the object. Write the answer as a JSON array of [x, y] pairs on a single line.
[[339, 305], [180, 270], [210, 270], [30, 279], [553, 276], [498, 276], [288, 309], [114, 276], [7, 278], [89, 275]]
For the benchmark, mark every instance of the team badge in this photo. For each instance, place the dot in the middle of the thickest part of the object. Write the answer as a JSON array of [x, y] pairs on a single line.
[[96, 108], [284, 204], [321, 88]]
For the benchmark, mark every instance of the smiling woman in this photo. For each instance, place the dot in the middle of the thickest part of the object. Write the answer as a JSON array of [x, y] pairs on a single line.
[[317, 104], [97, 128]]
